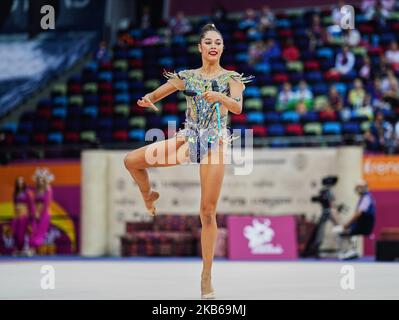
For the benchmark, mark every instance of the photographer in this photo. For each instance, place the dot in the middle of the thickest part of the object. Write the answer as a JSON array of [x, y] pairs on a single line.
[[362, 222]]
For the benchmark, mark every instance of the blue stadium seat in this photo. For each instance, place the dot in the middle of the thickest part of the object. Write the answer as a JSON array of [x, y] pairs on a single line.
[[276, 130], [252, 92], [91, 111], [331, 128], [351, 128], [121, 85], [326, 53], [55, 137], [122, 98], [137, 134], [105, 75], [310, 116], [272, 117], [170, 118], [256, 117], [59, 112], [290, 116], [61, 100]]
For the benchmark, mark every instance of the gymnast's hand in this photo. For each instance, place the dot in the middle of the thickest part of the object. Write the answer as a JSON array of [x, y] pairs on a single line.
[[145, 102], [213, 96]]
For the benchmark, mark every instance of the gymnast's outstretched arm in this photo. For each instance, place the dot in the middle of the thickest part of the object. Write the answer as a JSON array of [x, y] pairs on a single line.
[[161, 92]]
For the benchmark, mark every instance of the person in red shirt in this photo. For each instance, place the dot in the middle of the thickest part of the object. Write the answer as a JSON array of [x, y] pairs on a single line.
[[290, 52]]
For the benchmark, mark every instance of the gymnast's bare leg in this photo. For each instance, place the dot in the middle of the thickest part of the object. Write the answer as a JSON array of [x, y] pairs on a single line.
[[211, 176], [170, 152]]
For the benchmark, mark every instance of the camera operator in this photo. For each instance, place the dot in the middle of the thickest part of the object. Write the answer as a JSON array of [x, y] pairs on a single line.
[[326, 199], [361, 223]]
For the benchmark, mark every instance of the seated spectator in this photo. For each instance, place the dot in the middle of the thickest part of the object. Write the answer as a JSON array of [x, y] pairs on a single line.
[[382, 11], [304, 93], [286, 98], [396, 137], [266, 19], [368, 8], [366, 70], [301, 107], [379, 136], [344, 61], [336, 13], [387, 6], [272, 50], [334, 99], [180, 24], [256, 52], [219, 13], [103, 53], [392, 56], [366, 107], [316, 33], [357, 94], [249, 20], [351, 37], [145, 22], [391, 95], [290, 52]]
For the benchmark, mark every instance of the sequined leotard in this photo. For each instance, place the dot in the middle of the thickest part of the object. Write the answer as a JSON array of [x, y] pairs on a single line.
[[203, 128]]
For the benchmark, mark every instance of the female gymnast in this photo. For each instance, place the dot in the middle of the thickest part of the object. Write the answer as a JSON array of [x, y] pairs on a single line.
[[43, 196], [211, 92], [23, 208]]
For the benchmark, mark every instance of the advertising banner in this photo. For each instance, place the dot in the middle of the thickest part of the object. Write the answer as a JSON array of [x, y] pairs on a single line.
[[262, 238]]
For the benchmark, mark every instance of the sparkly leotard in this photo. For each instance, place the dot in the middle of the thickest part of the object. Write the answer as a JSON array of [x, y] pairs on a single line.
[[203, 126]]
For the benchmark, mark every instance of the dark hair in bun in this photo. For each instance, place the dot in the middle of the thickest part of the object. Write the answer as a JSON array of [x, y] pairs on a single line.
[[208, 27]]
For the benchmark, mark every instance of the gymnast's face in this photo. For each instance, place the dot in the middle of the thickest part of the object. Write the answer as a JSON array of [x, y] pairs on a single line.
[[211, 47]]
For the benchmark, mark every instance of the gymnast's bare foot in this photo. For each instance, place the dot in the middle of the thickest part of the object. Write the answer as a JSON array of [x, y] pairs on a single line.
[[149, 199]]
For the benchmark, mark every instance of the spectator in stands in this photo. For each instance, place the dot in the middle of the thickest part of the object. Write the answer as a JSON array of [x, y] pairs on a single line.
[[366, 107], [180, 24], [396, 138], [145, 22], [392, 56], [336, 13], [256, 52], [382, 11], [357, 94], [290, 52], [316, 33], [387, 6], [304, 93], [345, 61], [266, 19], [351, 37], [365, 71], [368, 8], [379, 136], [249, 20], [391, 95], [102, 53], [301, 107], [286, 97], [334, 99], [219, 13], [377, 95], [272, 51]]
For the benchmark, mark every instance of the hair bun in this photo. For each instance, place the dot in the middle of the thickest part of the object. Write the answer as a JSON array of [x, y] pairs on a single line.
[[208, 27]]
